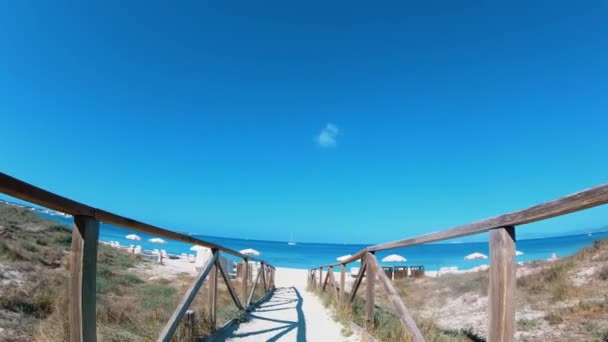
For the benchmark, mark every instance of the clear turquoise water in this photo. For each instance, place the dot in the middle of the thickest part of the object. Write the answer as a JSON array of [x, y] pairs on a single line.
[[307, 255]]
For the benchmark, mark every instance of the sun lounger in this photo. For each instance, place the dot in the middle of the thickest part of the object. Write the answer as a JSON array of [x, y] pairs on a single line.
[[388, 270], [417, 271], [400, 272]]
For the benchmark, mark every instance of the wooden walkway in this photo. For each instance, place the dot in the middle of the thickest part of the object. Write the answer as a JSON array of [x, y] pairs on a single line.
[[291, 314]]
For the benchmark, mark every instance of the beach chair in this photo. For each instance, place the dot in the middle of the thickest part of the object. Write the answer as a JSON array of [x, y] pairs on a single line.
[[354, 272], [417, 271], [388, 270], [400, 272]]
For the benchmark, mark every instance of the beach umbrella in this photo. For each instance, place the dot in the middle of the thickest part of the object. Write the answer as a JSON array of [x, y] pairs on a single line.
[[249, 251], [157, 240], [344, 257], [519, 253], [394, 258], [475, 255], [133, 237]]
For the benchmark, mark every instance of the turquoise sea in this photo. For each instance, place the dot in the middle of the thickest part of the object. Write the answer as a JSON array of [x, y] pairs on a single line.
[[307, 255]]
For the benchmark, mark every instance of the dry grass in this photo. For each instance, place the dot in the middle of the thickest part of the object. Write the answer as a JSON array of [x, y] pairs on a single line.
[[566, 299], [386, 325], [34, 282]]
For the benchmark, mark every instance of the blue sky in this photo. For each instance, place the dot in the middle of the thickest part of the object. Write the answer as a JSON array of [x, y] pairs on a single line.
[[348, 122]]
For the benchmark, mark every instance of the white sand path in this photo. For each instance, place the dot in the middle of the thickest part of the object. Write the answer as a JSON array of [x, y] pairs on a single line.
[[291, 314]]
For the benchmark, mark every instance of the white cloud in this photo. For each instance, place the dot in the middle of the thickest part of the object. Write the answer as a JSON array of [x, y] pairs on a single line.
[[327, 137]]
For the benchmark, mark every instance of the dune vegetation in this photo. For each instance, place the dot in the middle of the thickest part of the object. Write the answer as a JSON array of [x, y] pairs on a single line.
[[131, 306], [565, 300]]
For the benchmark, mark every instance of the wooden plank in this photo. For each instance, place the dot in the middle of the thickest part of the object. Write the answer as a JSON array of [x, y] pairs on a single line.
[[245, 282], [320, 276], [27, 192], [579, 201], [30, 193], [83, 273], [357, 283], [404, 314], [231, 290], [333, 283], [501, 294], [342, 281], [183, 306], [369, 291], [326, 280], [263, 270], [121, 221], [213, 297], [255, 284], [272, 274]]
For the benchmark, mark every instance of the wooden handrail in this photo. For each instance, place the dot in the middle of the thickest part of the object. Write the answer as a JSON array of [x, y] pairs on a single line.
[[501, 311], [30, 193], [586, 199], [84, 258]]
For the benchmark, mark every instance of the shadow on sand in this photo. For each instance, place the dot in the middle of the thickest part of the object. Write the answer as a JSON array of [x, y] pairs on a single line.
[[283, 299]]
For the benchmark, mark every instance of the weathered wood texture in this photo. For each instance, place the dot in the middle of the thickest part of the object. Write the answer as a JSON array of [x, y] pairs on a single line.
[[213, 296], [369, 291], [255, 284], [501, 294], [183, 306], [579, 201], [320, 276], [342, 282], [27, 192], [357, 283], [263, 270], [231, 290], [83, 272], [326, 280], [245, 282], [402, 312]]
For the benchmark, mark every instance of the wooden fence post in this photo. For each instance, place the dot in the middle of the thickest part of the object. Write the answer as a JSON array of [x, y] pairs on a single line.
[[369, 291], [245, 282], [213, 294], [264, 283], [190, 324], [169, 329], [342, 282], [83, 273], [401, 310], [320, 276], [502, 285]]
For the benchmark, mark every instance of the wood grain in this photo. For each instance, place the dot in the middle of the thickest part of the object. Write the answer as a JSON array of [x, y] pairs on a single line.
[[342, 282], [213, 296], [357, 283], [501, 294], [255, 284], [83, 273], [245, 282], [30, 193], [369, 290], [402, 312], [172, 324], [579, 201], [231, 290]]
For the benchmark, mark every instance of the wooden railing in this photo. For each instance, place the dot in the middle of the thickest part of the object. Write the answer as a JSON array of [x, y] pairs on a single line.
[[82, 292], [501, 294]]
